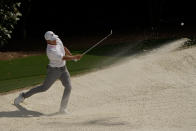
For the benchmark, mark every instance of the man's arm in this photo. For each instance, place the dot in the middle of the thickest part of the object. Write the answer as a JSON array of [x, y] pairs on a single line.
[[67, 51], [69, 56], [75, 57]]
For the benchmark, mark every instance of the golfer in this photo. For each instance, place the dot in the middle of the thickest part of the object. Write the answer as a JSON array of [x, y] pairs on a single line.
[[56, 69]]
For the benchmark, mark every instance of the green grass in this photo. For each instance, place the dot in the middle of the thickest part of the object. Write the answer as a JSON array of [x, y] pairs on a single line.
[[23, 72], [13, 84], [23, 67]]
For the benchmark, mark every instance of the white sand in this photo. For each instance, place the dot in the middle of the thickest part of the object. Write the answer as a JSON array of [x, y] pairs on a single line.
[[153, 92]]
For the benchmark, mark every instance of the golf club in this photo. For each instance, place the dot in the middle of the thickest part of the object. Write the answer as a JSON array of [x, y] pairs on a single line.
[[95, 45]]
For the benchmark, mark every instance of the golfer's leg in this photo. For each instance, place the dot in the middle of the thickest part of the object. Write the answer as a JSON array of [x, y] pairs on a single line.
[[52, 76], [65, 79]]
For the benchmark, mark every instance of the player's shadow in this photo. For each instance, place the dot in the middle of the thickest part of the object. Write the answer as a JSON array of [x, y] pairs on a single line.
[[21, 112]]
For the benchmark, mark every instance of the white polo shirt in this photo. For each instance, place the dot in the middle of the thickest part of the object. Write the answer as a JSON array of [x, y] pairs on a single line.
[[55, 54]]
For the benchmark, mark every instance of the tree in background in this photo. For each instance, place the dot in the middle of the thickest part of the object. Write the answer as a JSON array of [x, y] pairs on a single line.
[[9, 15], [155, 16]]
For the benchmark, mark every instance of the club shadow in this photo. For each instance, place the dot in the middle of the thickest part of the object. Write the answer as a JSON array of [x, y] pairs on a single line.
[[21, 112], [107, 122]]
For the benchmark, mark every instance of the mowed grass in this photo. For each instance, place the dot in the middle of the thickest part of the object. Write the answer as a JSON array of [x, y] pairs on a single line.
[[29, 71]]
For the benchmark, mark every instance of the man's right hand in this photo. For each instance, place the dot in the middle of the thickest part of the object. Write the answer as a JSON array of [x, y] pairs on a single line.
[[78, 57]]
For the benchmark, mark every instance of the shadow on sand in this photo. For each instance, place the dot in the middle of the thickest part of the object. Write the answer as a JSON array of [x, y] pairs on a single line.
[[21, 112], [110, 121]]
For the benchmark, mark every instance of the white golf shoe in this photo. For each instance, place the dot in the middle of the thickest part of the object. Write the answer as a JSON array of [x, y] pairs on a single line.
[[19, 99]]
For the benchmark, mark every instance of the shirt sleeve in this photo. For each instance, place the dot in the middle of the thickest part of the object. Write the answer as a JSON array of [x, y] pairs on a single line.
[[60, 42]]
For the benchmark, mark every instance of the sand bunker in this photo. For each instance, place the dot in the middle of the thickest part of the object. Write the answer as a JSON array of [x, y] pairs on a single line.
[[155, 92]]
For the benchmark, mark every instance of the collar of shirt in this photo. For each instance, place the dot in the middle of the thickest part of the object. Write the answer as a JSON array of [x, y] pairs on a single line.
[[51, 46]]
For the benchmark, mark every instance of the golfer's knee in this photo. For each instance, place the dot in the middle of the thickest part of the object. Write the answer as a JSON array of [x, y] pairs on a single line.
[[67, 85], [68, 88], [43, 88]]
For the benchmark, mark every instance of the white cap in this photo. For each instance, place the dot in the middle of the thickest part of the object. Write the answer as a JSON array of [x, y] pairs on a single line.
[[49, 35]]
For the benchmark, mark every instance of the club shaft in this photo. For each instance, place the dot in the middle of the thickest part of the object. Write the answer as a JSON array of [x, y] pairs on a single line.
[[96, 44]]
